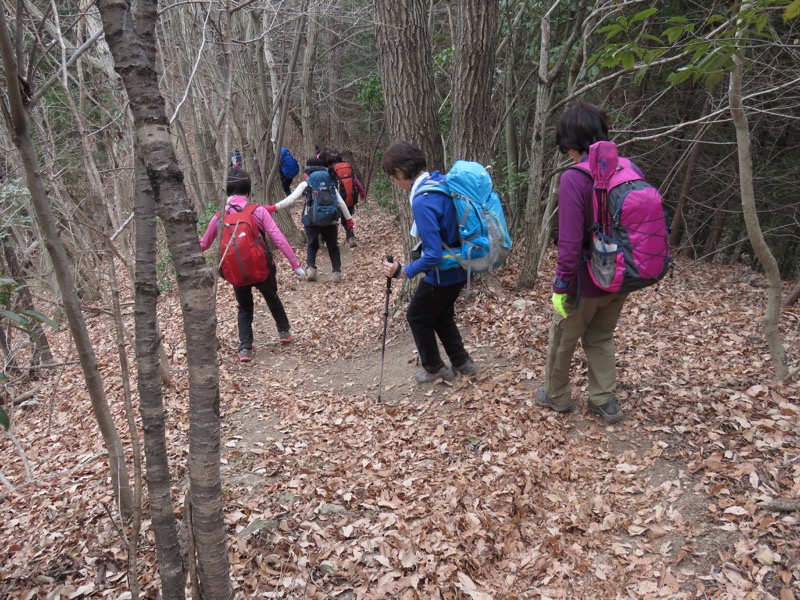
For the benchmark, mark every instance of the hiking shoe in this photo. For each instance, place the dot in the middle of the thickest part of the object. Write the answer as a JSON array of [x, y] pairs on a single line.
[[445, 373], [311, 274], [284, 337], [336, 277], [246, 354], [352, 242], [543, 400], [610, 411], [468, 368]]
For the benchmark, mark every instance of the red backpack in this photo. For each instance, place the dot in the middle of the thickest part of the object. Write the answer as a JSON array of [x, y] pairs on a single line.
[[347, 188], [243, 251]]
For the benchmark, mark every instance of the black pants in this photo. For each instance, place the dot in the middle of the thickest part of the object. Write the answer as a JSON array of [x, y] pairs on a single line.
[[329, 234], [431, 313], [286, 182], [244, 298], [348, 232]]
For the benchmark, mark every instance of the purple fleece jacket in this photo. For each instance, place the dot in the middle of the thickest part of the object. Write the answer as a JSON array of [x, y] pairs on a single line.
[[575, 234]]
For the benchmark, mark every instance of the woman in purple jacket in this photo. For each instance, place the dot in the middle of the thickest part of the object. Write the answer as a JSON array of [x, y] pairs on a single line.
[[594, 318], [431, 312]]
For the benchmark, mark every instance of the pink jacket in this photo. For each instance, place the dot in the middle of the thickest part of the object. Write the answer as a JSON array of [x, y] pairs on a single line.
[[265, 223]]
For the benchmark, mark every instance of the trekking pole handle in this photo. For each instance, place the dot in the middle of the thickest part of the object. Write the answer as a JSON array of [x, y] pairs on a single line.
[[389, 258]]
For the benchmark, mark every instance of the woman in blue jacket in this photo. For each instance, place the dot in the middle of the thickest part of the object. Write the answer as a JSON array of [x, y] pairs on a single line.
[[431, 311]]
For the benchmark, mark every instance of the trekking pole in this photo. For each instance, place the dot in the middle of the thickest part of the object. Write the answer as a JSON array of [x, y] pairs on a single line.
[[390, 259]]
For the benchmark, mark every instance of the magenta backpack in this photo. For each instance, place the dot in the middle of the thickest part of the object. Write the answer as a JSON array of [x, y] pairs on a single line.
[[630, 237]]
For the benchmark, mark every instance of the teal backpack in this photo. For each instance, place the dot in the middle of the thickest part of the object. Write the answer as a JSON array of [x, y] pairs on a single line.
[[482, 230]]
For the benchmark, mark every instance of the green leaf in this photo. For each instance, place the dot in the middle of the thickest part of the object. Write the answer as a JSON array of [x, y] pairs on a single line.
[[679, 76], [4, 420], [37, 316], [652, 38], [673, 33], [641, 16], [610, 30], [792, 11], [15, 319], [678, 20]]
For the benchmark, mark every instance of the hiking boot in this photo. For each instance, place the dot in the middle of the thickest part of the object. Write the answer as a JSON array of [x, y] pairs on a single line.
[[336, 277], [610, 411], [468, 368], [246, 354], [311, 274], [445, 373], [284, 337], [543, 400], [352, 242]]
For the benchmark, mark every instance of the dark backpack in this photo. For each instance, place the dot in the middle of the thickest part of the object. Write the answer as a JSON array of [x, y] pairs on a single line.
[[322, 205], [630, 236], [243, 250], [345, 179]]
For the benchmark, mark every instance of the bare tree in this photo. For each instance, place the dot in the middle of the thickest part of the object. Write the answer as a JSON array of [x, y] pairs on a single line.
[[17, 122], [131, 37]]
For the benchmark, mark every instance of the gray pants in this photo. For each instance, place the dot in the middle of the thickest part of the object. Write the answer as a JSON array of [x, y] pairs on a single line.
[[593, 322]]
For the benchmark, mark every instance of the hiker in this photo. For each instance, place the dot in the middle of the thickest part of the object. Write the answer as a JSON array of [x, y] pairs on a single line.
[[289, 169], [238, 189], [431, 311], [320, 196], [582, 310], [350, 188]]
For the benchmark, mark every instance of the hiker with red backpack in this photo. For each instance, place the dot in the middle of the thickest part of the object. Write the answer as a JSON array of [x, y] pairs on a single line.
[[350, 188], [612, 239], [246, 261], [323, 207]]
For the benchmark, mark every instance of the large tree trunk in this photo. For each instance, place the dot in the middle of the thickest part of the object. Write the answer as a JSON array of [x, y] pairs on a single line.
[[19, 128], [474, 114], [404, 61], [151, 407], [131, 37], [762, 251]]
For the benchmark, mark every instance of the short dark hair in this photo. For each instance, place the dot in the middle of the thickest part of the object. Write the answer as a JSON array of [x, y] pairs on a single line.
[[404, 157], [581, 125], [314, 162], [334, 156], [238, 183]]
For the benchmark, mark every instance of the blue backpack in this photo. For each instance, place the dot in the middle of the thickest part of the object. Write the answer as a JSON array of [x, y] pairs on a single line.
[[322, 205], [482, 230], [289, 166]]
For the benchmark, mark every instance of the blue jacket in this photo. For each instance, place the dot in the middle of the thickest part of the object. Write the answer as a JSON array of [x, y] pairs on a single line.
[[436, 220], [289, 166]]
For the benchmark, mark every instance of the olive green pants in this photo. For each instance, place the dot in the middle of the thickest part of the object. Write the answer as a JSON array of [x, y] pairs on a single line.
[[593, 322]]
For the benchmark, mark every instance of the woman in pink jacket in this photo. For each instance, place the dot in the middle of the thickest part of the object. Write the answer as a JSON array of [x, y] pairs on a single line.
[[238, 189]]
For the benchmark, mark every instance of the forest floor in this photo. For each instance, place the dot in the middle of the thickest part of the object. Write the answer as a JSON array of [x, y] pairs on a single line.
[[461, 490]]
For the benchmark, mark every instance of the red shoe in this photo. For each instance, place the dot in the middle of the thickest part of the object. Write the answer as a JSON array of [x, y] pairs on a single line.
[[246, 354]]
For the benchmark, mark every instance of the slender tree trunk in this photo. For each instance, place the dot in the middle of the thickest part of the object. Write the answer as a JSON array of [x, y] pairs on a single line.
[[131, 37], [308, 111], [151, 406], [19, 128], [688, 178], [760, 247]]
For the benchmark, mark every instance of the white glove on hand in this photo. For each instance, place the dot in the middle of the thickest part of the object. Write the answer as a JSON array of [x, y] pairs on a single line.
[[300, 273]]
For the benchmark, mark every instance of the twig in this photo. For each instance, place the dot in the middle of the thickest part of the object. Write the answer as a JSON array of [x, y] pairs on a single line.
[[781, 505]]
